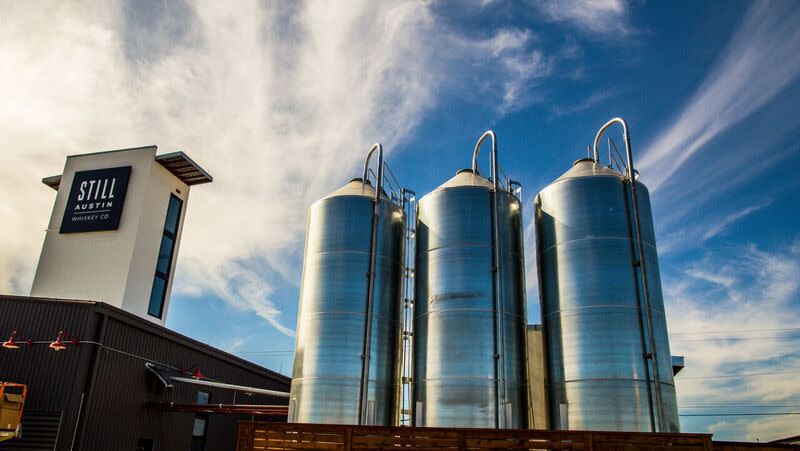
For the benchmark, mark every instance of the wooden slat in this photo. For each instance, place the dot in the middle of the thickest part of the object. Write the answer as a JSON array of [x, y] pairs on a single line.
[[288, 444], [277, 436], [283, 435], [397, 440], [244, 437]]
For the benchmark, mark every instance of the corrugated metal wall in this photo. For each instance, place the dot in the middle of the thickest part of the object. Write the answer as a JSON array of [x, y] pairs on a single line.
[[113, 415], [55, 379]]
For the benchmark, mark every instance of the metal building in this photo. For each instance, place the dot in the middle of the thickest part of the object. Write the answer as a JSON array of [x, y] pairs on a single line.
[[608, 357], [347, 354], [469, 318], [100, 391]]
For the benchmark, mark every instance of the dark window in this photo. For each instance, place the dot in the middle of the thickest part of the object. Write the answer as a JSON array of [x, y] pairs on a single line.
[[165, 254], [203, 397], [157, 297], [173, 215], [200, 427]]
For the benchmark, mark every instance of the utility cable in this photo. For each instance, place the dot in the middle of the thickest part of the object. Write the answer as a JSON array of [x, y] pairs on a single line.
[[735, 331], [779, 337], [725, 376], [744, 406], [736, 414]]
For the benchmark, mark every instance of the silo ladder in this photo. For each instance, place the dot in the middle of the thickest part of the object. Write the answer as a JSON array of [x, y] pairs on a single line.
[[409, 204]]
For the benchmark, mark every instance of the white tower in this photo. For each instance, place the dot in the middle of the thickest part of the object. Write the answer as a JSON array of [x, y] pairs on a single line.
[[115, 229]]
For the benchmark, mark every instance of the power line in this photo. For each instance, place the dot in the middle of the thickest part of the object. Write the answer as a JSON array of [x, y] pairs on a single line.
[[724, 376], [735, 331], [754, 406], [778, 337], [736, 414]]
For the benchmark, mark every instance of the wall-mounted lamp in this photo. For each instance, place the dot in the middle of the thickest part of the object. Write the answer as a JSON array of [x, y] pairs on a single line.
[[12, 343], [58, 345]]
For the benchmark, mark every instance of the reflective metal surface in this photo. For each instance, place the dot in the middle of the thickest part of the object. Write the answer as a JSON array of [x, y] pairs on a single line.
[[659, 421], [455, 378], [595, 334], [327, 373]]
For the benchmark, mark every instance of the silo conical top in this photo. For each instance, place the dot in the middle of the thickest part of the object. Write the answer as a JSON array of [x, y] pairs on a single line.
[[587, 167], [355, 187], [466, 177]]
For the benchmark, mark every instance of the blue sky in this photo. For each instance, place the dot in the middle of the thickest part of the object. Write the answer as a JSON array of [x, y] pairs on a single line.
[[280, 101]]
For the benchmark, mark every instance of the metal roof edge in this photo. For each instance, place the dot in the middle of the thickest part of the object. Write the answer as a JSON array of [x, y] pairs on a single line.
[[161, 159], [54, 181], [152, 146], [129, 318], [165, 332]]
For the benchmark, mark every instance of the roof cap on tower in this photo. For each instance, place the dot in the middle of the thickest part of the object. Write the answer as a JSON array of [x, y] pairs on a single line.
[[177, 163]]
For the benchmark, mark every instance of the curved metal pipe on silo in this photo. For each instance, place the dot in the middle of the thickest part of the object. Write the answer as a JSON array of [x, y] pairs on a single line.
[[469, 318], [348, 326], [608, 358]]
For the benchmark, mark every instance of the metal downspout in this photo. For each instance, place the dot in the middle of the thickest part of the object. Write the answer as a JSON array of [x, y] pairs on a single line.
[[500, 394], [362, 396], [659, 408]]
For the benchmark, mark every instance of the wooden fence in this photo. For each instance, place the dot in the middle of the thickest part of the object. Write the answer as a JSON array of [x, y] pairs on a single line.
[[281, 436]]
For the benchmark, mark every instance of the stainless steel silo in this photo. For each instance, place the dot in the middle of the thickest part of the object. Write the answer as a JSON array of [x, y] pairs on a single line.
[[469, 310], [348, 325], [601, 300]]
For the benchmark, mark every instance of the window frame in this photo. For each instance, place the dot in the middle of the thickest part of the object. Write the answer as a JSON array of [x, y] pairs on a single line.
[[164, 276]]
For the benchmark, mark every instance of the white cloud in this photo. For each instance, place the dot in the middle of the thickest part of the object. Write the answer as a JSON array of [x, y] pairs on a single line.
[[598, 17], [760, 60], [509, 52], [771, 428], [278, 101], [739, 289], [725, 281], [531, 268]]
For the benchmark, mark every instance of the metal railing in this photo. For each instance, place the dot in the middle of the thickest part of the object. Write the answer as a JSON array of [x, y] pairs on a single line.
[[390, 186]]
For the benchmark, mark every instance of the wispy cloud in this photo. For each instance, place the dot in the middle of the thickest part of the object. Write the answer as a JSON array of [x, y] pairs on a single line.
[[719, 279], [760, 60], [589, 102], [715, 229], [690, 235], [277, 100], [511, 51], [598, 17]]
